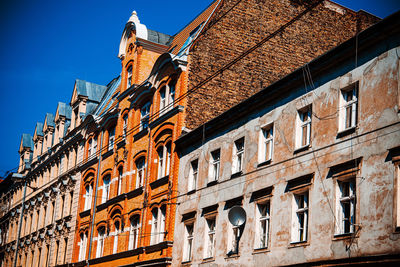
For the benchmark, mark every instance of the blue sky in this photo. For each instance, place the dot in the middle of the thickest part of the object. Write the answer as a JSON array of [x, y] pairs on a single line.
[[47, 44]]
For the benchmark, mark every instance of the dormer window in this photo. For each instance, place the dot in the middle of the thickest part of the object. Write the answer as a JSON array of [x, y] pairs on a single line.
[[144, 116], [129, 77]]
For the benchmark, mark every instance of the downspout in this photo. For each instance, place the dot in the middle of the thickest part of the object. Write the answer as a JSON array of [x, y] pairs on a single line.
[[20, 224], [95, 198]]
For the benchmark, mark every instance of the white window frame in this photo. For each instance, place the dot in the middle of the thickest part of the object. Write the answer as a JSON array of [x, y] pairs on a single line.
[[348, 107], [300, 206], [144, 116], [238, 156], [101, 235], [303, 122], [129, 77], [266, 143], [164, 160], [263, 222], [116, 233], [193, 173], [82, 246], [215, 165], [140, 171], [106, 188], [210, 238], [134, 232], [188, 245], [157, 225], [345, 206], [120, 175], [168, 97], [111, 138], [125, 125]]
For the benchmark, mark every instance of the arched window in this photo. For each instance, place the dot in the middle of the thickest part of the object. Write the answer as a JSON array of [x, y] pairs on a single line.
[[144, 116], [111, 138], [140, 171], [164, 160], [134, 232], [125, 125], [129, 77], [120, 172], [92, 146], [82, 246], [106, 188], [88, 196]]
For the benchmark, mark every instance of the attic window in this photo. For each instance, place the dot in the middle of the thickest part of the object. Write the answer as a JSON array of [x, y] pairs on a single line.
[[189, 40]]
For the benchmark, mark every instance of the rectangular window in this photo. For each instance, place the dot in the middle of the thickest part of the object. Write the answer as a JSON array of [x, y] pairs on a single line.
[[300, 217], [88, 197], [266, 143], [210, 237], [263, 222], [348, 107], [106, 188], [162, 98], [345, 206], [100, 242], [82, 246], [129, 77], [119, 181], [144, 116], [116, 233], [188, 246], [134, 232], [215, 165], [111, 138], [140, 168], [238, 152], [154, 227], [303, 132], [194, 168]]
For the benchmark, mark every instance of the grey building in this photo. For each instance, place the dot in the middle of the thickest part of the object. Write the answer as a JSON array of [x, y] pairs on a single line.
[[312, 160]]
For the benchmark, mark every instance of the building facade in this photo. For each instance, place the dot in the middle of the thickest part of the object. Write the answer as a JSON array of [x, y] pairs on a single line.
[[310, 164], [101, 174]]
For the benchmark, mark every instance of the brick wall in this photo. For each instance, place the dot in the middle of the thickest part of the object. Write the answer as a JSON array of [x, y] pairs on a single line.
[[230, 33]]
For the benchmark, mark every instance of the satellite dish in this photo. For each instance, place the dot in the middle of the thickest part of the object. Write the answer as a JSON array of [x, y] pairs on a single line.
[[237, 216]]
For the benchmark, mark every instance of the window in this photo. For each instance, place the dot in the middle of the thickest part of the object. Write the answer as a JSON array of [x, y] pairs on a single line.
[[82, 246], [111, 138], [194, 168], [140, 168], [88, 196], [167, 97], [164, 159], [348, 107], [100, 241], [157, 225], [134, 232], [144, 116], [266, 143], [210, 237], [62, 163], [262, 224], [116, 233], [300, 217], [129, 77], [106, 188], [62, 202], [345, 206], [119, 180], [238, 151], [303, 133], [56, 249], [125, 125], [188, 246], [215, 165]]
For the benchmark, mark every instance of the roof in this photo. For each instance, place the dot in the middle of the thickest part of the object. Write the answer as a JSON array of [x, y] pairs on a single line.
[[64, 110], [107, 99], [27, 141], [180, 38], [93, 91], [49, 119], [371, 42], [39, 129], [158, 37]]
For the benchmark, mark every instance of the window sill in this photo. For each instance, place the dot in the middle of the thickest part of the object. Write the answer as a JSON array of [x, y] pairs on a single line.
[[261, 164], [298, 244], [342, 236], [158, 247], [191, 192], [301, 149], [261, 250], [236, 174], [140, 134], [231, 256], [159, 182], [84, 213], [186, 263], [346, 131], [209, 259], [212, 183], [107, 154]]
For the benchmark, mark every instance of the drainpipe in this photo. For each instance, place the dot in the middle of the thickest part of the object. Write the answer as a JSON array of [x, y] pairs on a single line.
[[19, 176], [95, 197]]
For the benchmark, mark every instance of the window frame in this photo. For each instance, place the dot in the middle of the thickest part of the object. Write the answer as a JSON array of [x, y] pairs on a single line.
[[134, 230], [106, 188], [193, 175], [140, 170], [351, 199], [238, 155], [345, 105], [144, 116], [111, 138], [188, 245], [215, 165], [129, 72], [266, 137], [303, 120], [101, 236], [300, 229], [209, 247], [258, 243]]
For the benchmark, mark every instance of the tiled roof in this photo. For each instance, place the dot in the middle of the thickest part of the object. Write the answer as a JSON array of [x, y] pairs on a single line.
[[64, 110], [180, 38], [39, 129], [27, 141], [93, 91], [50, 119]]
